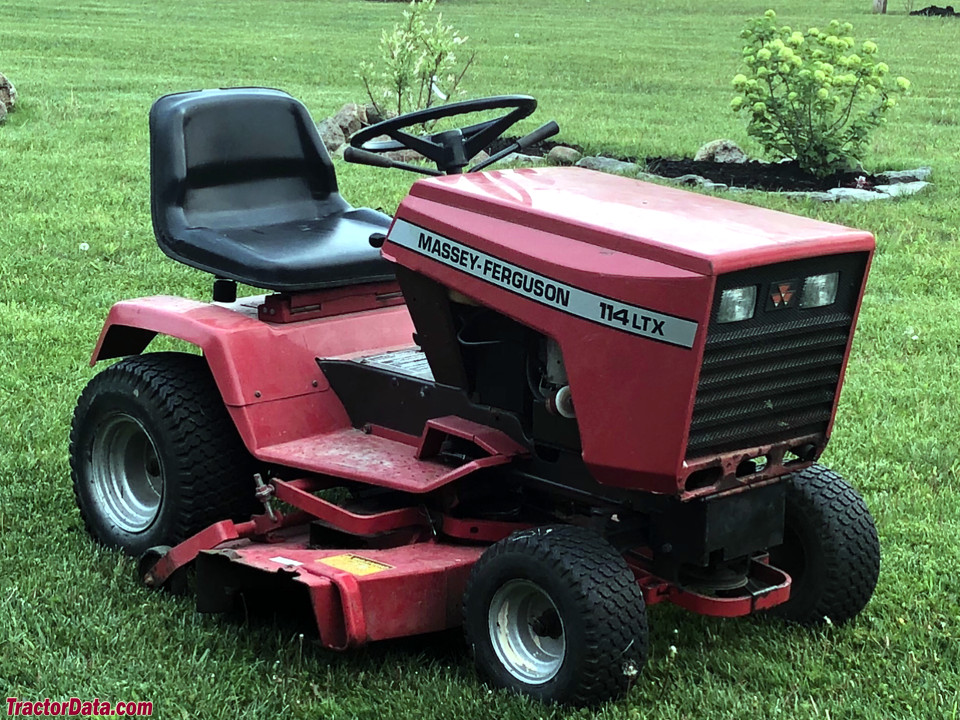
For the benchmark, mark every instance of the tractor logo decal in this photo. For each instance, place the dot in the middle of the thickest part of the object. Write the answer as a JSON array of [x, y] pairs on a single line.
[[782, 294], [546, 291]]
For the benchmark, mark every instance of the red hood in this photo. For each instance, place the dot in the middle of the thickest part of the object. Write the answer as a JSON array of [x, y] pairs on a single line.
[[695, 232]]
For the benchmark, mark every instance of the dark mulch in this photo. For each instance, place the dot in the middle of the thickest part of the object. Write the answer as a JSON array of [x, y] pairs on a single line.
[[934, 11], [754, 174]]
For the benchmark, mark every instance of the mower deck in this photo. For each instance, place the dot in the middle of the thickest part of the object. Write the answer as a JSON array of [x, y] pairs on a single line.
[[359, 593], [357, 596]]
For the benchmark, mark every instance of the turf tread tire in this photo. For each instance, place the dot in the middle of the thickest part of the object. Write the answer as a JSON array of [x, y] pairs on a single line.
[[841, 548], [208, 473], [597, 591]]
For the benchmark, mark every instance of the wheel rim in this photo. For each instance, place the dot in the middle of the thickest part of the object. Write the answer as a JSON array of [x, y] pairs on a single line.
[[526, 632], [126, 473]]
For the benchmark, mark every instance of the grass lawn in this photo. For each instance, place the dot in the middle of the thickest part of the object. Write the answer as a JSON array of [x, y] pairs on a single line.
[[635, 78]]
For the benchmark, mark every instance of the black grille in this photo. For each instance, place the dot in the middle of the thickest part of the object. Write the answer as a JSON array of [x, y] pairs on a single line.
[[774, 376]]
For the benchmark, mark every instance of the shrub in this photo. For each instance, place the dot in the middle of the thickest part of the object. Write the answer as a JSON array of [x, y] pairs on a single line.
[[420, 65], [812, 96]]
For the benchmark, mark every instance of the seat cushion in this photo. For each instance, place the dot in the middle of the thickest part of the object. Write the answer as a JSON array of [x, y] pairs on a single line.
[[290, 256]]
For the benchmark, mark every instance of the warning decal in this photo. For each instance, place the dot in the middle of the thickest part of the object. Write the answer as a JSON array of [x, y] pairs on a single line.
[[355, 565], [546, 291]]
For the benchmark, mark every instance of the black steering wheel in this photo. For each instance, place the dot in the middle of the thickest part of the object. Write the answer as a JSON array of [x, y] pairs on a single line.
[[451, 150]]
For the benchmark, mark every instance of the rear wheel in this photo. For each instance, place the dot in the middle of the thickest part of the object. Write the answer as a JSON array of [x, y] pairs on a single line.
[[154, 455], [556, 613], [830, 549]]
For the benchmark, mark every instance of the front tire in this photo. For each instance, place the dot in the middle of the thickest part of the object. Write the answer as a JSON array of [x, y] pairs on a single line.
[[830, 549], [154, 455], [555, 613]]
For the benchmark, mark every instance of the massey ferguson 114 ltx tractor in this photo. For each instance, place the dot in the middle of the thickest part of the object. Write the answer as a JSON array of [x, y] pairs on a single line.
[[534, 402]]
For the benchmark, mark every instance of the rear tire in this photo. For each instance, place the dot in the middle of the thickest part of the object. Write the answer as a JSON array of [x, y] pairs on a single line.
[[830, 549], [555, 613], [154, 454]]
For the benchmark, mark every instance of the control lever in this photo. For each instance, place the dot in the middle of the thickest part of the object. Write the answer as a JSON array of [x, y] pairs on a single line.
[[541, 133], [364, 157]]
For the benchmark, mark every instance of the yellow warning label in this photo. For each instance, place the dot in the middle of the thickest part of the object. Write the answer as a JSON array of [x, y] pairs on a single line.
[[355, 565]]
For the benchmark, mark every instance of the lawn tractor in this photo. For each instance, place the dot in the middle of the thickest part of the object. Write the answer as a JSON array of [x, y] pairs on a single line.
[[533, 403]]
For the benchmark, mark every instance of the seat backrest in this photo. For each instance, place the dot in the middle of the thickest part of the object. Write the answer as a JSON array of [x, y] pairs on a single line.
[[236, 158]]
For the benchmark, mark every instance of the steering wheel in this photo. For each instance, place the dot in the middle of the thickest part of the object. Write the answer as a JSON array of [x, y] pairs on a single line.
[[451, 150]]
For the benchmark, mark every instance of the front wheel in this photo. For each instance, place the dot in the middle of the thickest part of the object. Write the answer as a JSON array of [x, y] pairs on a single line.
[[154, 455], [555, 613], [830, 549]]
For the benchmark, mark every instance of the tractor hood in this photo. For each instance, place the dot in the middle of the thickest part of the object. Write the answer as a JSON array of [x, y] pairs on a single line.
[[698, 233]]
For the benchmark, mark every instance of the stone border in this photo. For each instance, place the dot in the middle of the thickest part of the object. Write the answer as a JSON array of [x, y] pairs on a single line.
[[900, 183]]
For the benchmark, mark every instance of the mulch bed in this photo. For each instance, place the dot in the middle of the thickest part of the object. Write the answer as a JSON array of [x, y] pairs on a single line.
[[934, 11], [761, 176], [753, 174]]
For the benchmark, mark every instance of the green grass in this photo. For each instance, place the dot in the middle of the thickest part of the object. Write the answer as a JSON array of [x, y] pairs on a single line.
[[627, 77]]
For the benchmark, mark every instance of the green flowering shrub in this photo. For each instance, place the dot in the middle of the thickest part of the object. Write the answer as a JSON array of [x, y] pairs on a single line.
[[420, 65], [812, 96]]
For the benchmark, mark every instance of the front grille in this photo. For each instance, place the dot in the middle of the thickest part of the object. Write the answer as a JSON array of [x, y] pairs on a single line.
[[775, 376]]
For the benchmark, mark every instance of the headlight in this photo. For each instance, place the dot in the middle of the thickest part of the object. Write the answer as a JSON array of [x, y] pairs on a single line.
[[737, 304], [819, 290]]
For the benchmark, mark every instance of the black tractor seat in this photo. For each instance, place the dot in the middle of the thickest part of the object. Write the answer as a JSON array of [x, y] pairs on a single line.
[[242, 187]]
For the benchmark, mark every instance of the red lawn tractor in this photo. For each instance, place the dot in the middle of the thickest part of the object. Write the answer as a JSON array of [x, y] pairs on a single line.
[[533, 403]]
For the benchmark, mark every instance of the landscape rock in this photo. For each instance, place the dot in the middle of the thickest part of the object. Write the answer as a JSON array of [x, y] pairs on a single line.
[[479, 158], [692, 180], [709, 185], [521, 159], [404, 156], [331, 134], [688, 179], [374, 116], [8, 93], [605, 164], [903, 189], [725, 151], [562, 155], [351, 117], [810, 195], [3, 113], [856, 195], [892, 177]]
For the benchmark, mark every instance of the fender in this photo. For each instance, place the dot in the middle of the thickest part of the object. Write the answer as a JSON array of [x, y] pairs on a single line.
[[266, 373]]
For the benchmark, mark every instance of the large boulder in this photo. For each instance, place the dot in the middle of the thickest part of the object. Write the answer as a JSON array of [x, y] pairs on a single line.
[[563, 155], [331, 134], [903, 189], [8, 93], [891, 177], [351, 118], [724, 151], [374, 115], [610, 165], [3, 113]]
